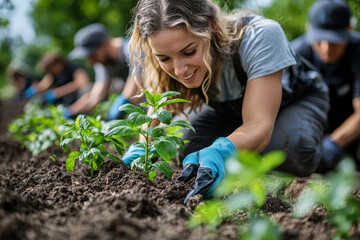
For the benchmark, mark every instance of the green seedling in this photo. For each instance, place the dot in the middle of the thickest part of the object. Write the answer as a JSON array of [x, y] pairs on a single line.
[[39, 128], [157, 143], [334, 193], [244, 188], [93, 135]]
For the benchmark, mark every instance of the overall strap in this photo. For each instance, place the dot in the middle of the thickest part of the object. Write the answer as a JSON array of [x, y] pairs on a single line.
[[239, 70]]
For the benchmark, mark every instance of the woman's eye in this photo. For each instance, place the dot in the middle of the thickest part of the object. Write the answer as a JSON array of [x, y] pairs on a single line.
[[190, 53], [163, 59]]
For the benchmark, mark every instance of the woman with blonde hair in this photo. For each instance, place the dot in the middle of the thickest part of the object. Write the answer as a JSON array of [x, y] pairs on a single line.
[[248, 89]]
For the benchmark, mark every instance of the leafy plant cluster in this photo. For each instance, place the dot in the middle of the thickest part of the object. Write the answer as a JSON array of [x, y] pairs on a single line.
[[335, 194], [157, 143], [244, 190], [94, 134], [39, 128]]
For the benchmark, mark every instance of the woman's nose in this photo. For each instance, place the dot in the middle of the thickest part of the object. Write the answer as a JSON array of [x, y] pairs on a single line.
[[180, 67]]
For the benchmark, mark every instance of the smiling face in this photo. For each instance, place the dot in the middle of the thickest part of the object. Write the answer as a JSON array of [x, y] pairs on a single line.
[[180, 55], [329, 52]]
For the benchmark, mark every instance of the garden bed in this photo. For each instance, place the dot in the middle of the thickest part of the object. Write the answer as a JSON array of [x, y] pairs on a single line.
[[40, 200]]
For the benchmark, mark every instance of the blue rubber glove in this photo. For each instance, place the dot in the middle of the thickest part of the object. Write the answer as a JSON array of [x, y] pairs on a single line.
[[68, 113], [30, 91], [133, 153], [114, 112], [50, 96], [331, 152], [209, 166]]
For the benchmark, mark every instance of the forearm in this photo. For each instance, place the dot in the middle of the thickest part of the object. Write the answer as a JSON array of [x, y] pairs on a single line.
[[253, 136], [348, 131], [65, 89], [130, 90], [81, 80], [44, 84], [84, 105]]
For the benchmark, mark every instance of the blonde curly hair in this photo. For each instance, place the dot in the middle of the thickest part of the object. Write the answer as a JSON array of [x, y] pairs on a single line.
[[201, 18]]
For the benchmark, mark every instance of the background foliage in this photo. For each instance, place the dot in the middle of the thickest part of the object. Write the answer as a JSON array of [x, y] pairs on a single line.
[[55, 23]]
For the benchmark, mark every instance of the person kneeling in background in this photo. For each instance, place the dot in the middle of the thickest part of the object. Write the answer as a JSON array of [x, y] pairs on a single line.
[[64, 82]]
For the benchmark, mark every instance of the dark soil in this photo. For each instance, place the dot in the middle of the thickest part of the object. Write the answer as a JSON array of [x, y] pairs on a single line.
[[40, 200]]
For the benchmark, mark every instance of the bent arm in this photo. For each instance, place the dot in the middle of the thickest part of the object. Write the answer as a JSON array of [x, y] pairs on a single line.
[[45, 83], [260, 107], [89, 100], [81, 80], [349, 130], [130, 90]]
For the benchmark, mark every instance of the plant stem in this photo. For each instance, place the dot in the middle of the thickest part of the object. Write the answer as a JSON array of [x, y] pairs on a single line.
[[146, 154], [147, 151]]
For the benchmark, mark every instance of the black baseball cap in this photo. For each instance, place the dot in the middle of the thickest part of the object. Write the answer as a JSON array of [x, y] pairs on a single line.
[[88, 39], [329, 21]]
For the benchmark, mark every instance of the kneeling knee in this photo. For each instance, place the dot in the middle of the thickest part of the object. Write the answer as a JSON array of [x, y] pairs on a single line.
[[304, 160]]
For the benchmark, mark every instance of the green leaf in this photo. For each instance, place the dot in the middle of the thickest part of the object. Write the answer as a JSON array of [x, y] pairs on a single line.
[[178, 141], [70, 161], [166, 149], [178, 100], [77, 123], [183, 124], [151, 175], [111, 157], [149, 97], [119, 128], [271, 160], [164, 116], [52, 159], [122, 131], [97, 141], [169, 94], [118, 143], [259, 193], [139, 144], [65, 133], [145, 104], [136, 119], [68, 140], [165, 168], [129, 108], [155, 132]]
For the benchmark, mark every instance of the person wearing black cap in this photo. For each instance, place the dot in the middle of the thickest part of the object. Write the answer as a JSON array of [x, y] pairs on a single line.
[[110, 58], [334, 49]]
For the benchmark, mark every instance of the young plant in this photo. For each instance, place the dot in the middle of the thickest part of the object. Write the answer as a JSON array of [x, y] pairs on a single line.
[[93, 135], [244, 188], [334, 193], [39, 128], [157, 142]]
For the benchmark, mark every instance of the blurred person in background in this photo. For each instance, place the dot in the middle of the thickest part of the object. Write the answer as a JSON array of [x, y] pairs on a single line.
[[110, 58], [334, 48], [20, 77], [64, 81]]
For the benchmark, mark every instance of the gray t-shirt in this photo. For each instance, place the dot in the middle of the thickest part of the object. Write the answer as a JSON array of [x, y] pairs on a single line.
[[119, 68], [264, 49]]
